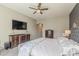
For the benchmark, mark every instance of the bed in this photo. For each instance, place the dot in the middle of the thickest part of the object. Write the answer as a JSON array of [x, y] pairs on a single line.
[[60, 46]]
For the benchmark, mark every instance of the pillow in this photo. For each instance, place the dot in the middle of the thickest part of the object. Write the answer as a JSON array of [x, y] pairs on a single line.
[[71, 50]]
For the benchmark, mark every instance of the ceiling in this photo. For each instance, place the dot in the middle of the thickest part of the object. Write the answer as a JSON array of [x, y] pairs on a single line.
[[54, 9]]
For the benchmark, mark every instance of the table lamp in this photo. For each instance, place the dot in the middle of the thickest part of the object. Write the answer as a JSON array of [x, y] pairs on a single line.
[[67, 33]]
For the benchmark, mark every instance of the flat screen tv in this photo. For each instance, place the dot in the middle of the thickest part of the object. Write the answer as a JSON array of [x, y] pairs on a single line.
[[19, 25]]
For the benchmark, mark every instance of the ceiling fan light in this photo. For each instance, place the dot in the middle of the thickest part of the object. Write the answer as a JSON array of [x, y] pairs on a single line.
[[38, 11]]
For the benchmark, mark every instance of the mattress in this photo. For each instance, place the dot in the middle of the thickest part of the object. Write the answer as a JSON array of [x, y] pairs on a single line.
[[25, 49], [49, 47]]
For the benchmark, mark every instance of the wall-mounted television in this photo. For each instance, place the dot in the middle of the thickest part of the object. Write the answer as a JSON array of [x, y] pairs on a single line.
[[19, 25]]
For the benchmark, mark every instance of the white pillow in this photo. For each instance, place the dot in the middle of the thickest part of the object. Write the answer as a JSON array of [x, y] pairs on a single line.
[[71, 50]]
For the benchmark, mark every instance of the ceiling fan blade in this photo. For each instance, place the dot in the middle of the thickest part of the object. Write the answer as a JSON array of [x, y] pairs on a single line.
[[41, 12], [34, 12], [39, 5], [32, 8], [38, 9], [44, 9]]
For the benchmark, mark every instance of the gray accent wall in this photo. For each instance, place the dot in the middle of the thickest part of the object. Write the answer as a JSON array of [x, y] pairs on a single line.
[[74, 17]]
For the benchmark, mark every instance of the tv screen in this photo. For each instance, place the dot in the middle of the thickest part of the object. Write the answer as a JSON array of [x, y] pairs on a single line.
[[19, 25]]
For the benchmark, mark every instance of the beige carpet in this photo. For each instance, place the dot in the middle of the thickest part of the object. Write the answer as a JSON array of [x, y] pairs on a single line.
[[9, 52]]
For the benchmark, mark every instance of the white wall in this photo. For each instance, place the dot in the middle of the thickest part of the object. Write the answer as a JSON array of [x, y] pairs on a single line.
[[58, 24], [6, 16]]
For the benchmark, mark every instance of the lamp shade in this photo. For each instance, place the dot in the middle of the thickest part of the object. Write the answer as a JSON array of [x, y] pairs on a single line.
[[67, 32]]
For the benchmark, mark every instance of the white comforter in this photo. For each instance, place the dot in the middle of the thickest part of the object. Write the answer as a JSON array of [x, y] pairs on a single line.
[[47, 47], [25, 49]]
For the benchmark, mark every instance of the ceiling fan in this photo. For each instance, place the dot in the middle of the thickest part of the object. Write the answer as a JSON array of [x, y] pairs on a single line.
[[38, 9]]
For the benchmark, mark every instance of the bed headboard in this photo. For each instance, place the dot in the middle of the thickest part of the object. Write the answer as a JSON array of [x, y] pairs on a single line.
[[73, 18], [75, 35]]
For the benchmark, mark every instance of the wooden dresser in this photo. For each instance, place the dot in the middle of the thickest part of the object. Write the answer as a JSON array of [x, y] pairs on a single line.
[[18, 39], [49, 33]]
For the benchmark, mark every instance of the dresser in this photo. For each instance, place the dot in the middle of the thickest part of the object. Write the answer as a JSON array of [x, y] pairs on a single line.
[[49, 33], [17, 39]]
